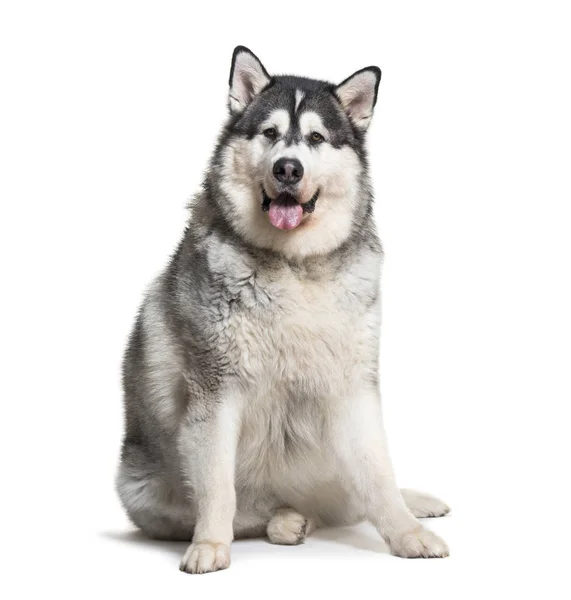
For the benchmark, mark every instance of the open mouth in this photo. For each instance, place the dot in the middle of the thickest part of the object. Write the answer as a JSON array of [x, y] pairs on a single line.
[[284, 211]]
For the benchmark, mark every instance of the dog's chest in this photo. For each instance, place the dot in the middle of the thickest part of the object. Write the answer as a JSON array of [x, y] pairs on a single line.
[[286, 333], [297, 340]]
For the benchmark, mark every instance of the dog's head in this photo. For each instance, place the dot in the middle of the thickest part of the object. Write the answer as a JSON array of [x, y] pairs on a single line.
[[291, 165]]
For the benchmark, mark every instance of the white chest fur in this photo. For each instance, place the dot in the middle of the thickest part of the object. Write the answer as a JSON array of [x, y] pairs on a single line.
[[287, 332]]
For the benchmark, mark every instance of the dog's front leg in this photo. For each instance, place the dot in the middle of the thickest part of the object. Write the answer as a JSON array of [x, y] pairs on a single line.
[[361, 447], [207, 443]]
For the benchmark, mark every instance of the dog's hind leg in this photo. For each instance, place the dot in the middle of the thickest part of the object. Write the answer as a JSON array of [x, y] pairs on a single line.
[[145, 499], [421, 504]]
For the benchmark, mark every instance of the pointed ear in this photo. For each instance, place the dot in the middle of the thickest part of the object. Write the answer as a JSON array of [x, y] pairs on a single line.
[[358, 95], [247, 79]]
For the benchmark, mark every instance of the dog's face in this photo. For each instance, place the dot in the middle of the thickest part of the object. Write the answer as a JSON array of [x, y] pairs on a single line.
[[292, 161]]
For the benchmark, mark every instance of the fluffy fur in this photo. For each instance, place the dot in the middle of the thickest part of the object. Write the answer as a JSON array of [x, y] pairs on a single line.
[[251, 376]]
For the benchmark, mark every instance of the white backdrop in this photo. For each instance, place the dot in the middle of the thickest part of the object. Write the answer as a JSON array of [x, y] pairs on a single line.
[[108, 115]]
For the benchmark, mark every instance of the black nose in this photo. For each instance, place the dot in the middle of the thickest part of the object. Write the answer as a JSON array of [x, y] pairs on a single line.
[[288, 170]]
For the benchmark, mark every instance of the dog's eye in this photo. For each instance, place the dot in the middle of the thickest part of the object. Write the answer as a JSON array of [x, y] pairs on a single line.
[[316, 138], [270, 133]]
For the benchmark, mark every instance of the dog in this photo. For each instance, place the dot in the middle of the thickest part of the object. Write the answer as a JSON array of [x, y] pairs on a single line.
[[251, 376]]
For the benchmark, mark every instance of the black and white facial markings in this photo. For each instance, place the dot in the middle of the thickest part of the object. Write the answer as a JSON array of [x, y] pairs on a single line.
[[293, 159]]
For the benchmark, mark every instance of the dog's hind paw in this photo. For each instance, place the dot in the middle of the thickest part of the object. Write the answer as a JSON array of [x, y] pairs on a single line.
[[422, 505], [288, 527]]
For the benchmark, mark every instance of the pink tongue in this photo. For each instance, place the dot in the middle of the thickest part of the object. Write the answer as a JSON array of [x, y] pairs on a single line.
[[285, 216]]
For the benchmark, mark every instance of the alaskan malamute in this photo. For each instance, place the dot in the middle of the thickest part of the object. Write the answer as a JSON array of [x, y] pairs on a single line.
[[251, 377]]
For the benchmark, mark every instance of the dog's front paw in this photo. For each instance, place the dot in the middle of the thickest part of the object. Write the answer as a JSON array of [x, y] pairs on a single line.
[[419, 543], [205, 557]]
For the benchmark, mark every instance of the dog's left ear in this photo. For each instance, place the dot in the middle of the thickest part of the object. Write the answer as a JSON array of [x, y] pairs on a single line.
[[358, 95], [247, 79]]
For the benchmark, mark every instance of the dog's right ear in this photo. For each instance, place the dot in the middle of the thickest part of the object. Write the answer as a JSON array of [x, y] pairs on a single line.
[[247, 79]]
